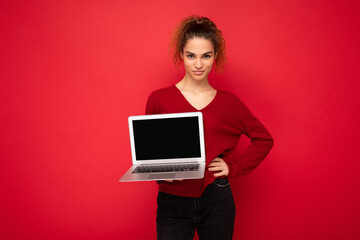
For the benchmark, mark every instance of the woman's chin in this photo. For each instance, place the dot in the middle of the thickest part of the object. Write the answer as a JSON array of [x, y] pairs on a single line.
[[199, 77]]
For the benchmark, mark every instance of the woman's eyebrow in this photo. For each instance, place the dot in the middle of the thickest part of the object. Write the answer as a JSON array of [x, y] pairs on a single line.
[[203, 53]]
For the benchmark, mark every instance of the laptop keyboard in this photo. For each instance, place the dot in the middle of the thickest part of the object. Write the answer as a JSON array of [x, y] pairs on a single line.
[[167, 168]]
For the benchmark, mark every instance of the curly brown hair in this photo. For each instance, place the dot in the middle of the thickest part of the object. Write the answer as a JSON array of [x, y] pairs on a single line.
[[202, 27]]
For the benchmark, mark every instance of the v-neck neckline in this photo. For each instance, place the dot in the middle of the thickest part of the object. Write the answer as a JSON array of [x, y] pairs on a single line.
[[190, 105]]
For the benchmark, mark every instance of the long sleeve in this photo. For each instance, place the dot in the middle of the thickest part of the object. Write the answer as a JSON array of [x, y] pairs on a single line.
[[150, 105], [225, 119], [260, 146]]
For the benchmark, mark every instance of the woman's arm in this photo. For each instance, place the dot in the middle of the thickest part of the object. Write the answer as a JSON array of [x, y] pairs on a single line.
[[151, 109], [150, 105], [261, 143]]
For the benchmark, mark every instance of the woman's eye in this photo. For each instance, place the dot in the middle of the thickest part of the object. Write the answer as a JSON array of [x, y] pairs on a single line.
[[205, 56]]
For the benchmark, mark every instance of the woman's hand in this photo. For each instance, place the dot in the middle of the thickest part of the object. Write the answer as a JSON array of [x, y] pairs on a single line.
[[219, 165]]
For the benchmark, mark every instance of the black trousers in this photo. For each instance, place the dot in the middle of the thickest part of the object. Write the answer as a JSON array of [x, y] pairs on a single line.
[[212, 214]]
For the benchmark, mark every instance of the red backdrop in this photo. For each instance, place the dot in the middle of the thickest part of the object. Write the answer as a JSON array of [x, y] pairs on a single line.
[[73, 71]]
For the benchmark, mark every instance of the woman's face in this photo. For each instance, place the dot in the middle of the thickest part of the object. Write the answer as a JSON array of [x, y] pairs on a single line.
[[199, 56]]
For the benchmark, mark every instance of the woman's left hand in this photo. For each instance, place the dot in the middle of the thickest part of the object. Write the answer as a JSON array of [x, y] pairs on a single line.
[[219, 165]]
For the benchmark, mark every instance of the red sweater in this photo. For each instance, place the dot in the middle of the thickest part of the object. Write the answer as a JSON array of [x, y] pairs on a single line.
[[225, 118]]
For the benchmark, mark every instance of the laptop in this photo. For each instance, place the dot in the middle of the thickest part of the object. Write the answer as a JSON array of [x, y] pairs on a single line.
[[166, 146]]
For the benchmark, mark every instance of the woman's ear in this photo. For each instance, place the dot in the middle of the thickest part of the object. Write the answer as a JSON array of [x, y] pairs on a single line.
[[215, 55], [181, 55]]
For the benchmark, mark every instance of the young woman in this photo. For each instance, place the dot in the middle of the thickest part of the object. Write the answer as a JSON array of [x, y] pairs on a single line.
[[207, 204]]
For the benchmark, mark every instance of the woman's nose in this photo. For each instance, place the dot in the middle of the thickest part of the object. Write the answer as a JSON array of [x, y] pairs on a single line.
[[198, 63]]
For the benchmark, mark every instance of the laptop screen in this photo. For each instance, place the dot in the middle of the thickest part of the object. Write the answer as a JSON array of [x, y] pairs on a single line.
[[167, 138]]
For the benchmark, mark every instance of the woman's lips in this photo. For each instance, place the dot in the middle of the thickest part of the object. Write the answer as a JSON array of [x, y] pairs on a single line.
[[198, 72]]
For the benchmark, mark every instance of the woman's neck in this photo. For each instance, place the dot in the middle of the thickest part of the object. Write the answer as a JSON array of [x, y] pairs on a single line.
[[188, 84]]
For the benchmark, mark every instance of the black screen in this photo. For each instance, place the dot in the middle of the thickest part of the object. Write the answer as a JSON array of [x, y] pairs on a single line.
[[166, 138]]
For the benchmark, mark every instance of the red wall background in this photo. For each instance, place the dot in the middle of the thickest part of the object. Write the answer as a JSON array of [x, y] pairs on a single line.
[[71, 73]]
